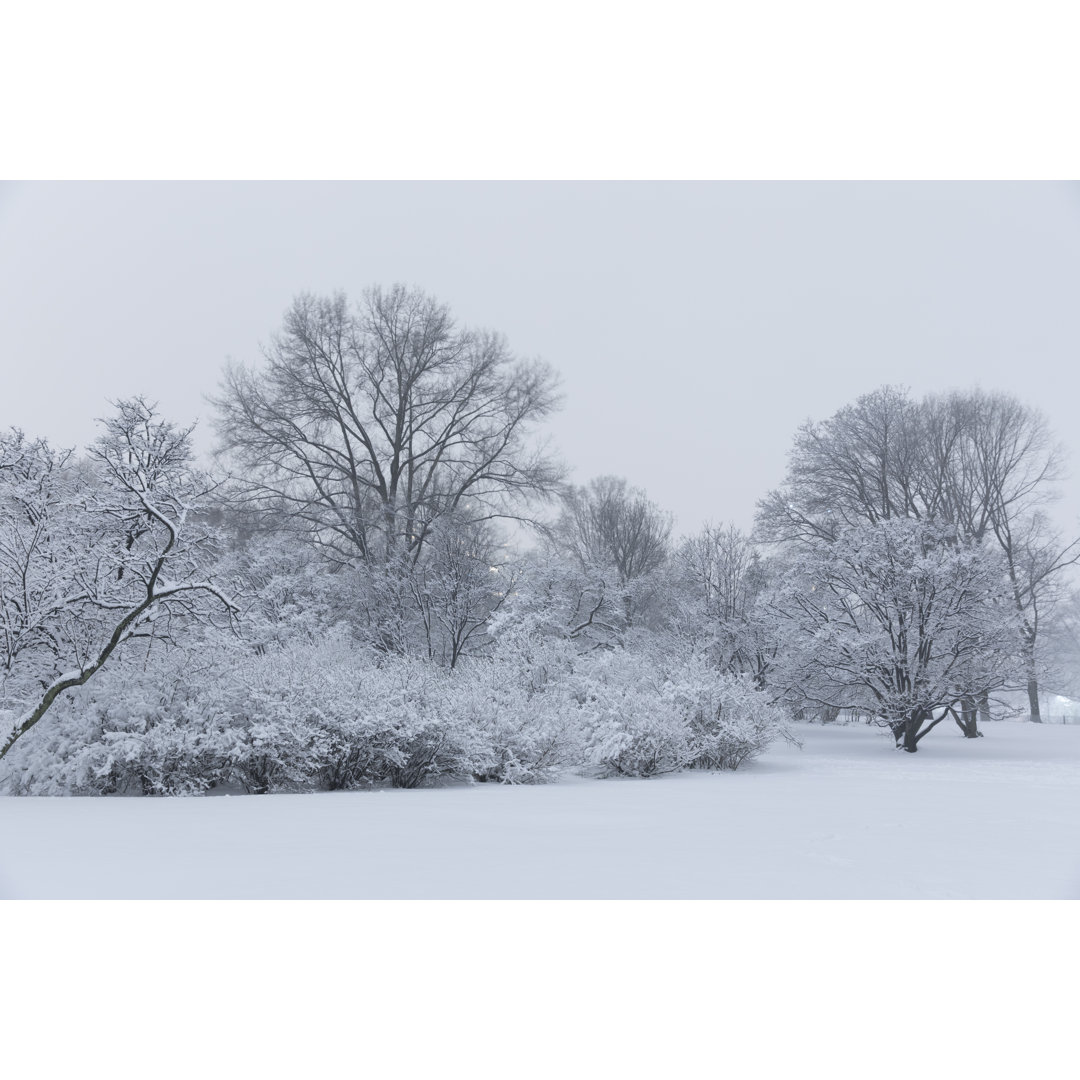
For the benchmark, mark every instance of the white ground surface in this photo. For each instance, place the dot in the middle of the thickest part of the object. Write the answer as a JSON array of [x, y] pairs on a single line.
[[846, 817]]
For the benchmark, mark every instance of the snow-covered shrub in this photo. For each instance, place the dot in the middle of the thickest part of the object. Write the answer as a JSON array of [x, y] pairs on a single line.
[[277, 741], [650, 714], [428, 739], [138, 729], [519, 703], [730, 722], [283, 595], [630, 730], [303, 717], [335, 716], [149, 755], [332, 715]]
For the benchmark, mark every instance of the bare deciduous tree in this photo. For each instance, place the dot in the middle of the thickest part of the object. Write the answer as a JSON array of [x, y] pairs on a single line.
[[1061, 652], [366, 426], [722, 580], [609, 524], [862, 464], [1014, 463]]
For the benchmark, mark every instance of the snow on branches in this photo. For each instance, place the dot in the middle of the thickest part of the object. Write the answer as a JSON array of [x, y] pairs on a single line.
[[95, 553], [901, 617]]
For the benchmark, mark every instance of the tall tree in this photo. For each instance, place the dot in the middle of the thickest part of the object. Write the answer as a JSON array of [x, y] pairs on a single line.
[[862, 464], [1011, 465], [982, 462], [369, 424]]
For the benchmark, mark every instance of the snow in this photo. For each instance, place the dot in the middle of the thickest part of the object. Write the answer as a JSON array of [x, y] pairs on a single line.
[[846, 817]]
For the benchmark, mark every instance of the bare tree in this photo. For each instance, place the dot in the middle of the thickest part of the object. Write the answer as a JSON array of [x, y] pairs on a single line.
[[862, 464], [1061, 645], [722, 579], [1015, 464], [366, 426], [609, 524], [725, 567], [460, 585]]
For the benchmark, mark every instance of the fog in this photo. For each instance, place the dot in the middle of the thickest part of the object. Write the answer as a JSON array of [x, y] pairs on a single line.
[[695, 325]]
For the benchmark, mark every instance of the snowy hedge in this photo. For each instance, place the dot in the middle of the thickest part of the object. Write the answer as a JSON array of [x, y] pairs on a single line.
[[332, 716]]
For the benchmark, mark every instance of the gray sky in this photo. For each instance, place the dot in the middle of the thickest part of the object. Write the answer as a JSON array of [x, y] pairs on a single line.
[[695, 325]]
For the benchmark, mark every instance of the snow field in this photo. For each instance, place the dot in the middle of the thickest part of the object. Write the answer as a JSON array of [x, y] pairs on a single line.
[[847, 817]]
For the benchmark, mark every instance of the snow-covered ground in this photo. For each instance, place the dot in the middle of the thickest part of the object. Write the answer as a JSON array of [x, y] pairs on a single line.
[[846, 817]]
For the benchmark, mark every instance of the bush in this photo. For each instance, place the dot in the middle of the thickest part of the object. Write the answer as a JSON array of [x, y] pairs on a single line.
[[137, 729], [519, 705], [332, 716], [730, 722], [647, 718]]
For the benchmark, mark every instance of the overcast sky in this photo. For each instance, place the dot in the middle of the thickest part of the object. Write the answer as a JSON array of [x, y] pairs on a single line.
[[695, 325]]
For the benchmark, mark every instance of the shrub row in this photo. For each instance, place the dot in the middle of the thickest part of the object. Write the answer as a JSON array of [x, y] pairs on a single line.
[[328, 717]]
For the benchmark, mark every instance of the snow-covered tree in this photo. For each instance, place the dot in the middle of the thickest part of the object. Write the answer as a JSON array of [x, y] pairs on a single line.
[[899, 617], [720, 583], [609, 528], [94, 555], [982, 462]]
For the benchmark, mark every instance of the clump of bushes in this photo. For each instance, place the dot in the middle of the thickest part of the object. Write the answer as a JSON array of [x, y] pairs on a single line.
[[330, 716]]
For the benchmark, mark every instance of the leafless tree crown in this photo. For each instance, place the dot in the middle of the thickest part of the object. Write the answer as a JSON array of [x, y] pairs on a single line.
[[367, 425]]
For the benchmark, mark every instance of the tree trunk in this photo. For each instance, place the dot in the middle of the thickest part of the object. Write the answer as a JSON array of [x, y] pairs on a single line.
[[967, 721], [984, 707], [906, 732], [1032, 678], [911, 733], [1033, 699]]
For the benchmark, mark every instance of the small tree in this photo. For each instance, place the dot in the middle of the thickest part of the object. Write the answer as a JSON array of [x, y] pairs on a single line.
[[97, 554]]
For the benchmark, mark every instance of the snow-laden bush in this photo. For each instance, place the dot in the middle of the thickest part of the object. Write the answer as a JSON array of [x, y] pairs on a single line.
[[630, 730], [519, 703], [431, 741], [332, 715], [730, 722], [304, 717], [646, 717], [138, 729]]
